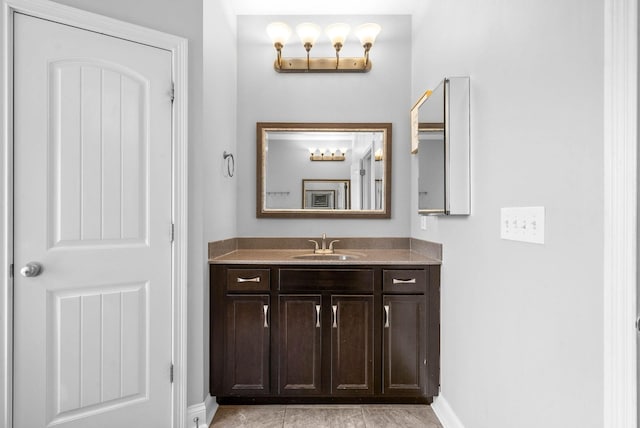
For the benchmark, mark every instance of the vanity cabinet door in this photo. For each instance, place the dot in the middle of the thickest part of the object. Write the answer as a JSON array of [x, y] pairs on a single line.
[[404, 345], [300, 353], [247, 332], [352, 345]]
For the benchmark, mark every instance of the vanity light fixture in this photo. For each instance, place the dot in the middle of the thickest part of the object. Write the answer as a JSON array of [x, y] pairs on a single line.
[[279, 32], [326, 155], [378, 155]]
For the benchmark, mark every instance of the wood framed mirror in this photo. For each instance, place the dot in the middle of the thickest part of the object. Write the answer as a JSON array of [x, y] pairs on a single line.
[[344, 170]]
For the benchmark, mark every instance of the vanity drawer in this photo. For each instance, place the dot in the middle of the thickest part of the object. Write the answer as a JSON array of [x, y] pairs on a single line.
[[342, 280], [248, 280], [403, 281]]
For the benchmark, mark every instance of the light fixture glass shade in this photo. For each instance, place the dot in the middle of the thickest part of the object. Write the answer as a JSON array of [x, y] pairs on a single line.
[[279, 32], [367, 33], [337, 33], [308, 32]]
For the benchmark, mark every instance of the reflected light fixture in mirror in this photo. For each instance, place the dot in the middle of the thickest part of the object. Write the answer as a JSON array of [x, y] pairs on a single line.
[[327, 155], [309, 33]]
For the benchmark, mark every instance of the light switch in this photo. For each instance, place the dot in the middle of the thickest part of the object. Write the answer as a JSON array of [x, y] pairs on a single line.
[[423, 222], [524, 224]]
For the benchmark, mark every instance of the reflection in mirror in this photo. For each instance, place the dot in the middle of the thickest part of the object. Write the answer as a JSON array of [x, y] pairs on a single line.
[[326, 194], [431, 166], [343, 169], [440, 137]]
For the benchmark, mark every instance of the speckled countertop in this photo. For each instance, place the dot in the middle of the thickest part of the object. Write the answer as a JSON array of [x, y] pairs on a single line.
[[378, 251]]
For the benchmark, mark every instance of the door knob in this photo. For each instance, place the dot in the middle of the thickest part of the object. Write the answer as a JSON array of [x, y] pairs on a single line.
[[31, 269]]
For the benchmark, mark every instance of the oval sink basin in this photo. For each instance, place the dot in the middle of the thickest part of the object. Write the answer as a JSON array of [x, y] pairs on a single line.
[[326, 256]]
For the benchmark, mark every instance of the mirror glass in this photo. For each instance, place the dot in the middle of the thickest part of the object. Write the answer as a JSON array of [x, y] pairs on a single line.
[[324, 170], [440, 137], [431, 184]]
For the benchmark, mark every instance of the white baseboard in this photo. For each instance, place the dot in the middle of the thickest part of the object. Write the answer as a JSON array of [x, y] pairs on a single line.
[[445, 413], [200, 415], [197, 416], [211, 406]]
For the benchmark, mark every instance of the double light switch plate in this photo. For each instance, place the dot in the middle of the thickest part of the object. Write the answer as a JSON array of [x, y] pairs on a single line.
[[524, 224]]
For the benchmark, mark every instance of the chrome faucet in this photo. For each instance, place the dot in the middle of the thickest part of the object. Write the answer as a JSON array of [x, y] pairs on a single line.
[[324, 249]]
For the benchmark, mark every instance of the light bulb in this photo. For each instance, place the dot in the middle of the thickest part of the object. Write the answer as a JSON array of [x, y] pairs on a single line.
[[367, 33], [308, 33], [279, 32], [337, 33]]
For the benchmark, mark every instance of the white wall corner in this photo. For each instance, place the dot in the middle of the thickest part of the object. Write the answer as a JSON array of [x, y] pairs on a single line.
[[200, 415], [445, 413]]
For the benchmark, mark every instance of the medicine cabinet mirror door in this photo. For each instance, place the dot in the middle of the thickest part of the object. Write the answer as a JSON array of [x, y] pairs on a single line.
[[441, 138], [323, 170]]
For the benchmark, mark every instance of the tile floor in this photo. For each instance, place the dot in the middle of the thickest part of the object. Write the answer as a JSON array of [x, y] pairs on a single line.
[[329, 416]]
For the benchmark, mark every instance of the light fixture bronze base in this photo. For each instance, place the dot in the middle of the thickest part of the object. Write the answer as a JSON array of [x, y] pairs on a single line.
[[322, 65]]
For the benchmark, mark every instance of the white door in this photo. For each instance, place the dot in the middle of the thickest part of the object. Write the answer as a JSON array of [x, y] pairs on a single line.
[[92, 205]]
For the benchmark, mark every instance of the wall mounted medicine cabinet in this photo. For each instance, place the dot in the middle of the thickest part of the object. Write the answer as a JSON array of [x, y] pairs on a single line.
[[440, 136]]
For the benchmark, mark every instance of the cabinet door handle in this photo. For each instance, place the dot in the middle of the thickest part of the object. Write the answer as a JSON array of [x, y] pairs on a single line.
[[386, 316], [317, 315], [335, 315], [404, 281], [254, 279], [265, 310]]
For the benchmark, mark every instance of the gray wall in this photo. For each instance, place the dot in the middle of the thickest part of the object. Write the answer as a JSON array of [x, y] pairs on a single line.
[[522, 324], [219, 191], [183, 19], [383, 95]]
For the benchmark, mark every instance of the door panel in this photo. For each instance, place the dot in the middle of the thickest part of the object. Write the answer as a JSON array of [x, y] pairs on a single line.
[[352, 345], [247, 345], [300, 353], [99, 154], [404, 343], [92, 205]]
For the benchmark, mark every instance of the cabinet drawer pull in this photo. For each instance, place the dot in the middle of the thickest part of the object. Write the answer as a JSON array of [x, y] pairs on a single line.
[[317, 315], [404, 281], [386, 316], [335, 315], [254, 279], [265, 310]]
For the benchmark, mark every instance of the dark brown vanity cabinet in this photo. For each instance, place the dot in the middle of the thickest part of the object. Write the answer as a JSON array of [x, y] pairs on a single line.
[[352, 345], [246, 332], [326, 334], [300, 345], [404, 341], [349, 350], [247, 345]]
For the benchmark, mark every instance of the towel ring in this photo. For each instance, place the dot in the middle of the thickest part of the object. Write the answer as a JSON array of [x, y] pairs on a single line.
[[231, 163]]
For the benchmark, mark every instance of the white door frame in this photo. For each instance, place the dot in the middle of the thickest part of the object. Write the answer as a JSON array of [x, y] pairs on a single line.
[[620, 212], [178, 46]]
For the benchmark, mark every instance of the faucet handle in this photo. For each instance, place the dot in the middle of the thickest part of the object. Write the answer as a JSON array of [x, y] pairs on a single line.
[[331, 244], [316, 244]]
